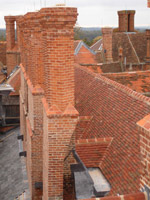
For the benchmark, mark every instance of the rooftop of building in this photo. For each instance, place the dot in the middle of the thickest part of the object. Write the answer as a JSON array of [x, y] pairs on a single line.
[[13, 178], [114, 113]]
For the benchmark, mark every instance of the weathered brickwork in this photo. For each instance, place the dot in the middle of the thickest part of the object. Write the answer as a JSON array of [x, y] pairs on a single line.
[[47, 55], [3, 52], [59, 107], [107, 44], [12, 51], [33, 137], [126, 20], [50, 122], [144, 131]]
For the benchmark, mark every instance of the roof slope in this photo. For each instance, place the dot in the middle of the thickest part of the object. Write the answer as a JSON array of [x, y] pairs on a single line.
[[140, 44], [121, 40], [133, 44], [83, 54], [137, 81], [115, 110], [93, 151], [12, 178]]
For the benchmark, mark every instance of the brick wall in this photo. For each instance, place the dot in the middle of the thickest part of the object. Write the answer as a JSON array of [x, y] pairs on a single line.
[[47, 54], [59, 96], [3, 52], [144, 127], [31, 110]]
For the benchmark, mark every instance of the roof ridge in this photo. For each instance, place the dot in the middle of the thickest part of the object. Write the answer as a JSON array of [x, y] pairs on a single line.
[[119, 86]]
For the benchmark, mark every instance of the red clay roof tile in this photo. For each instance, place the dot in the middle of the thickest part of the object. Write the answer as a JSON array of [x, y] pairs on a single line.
[[115, 110], [92, 151]]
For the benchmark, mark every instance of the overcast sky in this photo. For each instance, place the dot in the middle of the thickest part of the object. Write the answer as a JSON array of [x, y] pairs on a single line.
[[91, 12]]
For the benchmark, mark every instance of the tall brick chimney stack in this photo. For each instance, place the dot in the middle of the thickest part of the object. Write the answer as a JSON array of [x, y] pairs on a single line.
[[126, 20], [59, 55], [12, 52], [148, 47], [10, 31], [107, 44], [60, 116]]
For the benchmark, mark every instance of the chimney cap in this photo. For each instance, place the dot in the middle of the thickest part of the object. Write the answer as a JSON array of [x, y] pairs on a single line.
[[60, 5], [126, 12]]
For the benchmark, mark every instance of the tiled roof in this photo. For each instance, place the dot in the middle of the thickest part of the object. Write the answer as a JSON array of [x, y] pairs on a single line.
[[140, 44], [137, 81], [78, 45], [136, 196], [115, 110], [92, 151], [83, 54], [129, 43]]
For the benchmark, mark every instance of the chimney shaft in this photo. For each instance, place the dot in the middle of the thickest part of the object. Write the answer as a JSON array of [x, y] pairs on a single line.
[[10, 31], [107, 43], [126, 20], [148, 45], [58, 52]]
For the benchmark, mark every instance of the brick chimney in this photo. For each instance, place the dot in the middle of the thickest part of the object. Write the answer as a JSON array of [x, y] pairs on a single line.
[[12, 53], [107, 44], [148, 45], [60, 116], [10, 31], [126, 20], [148, 49], [59, 55]]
